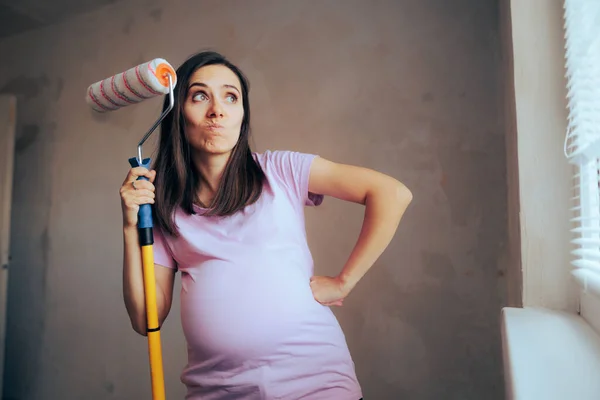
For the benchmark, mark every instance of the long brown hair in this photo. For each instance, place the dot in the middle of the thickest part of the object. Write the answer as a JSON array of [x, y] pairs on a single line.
[[177, 179]]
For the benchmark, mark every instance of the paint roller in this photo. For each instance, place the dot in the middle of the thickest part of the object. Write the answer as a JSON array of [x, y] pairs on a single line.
[[142, 82], [148, 80]]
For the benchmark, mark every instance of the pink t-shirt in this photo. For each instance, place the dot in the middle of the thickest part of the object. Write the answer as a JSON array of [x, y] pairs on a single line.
[[253, 328]]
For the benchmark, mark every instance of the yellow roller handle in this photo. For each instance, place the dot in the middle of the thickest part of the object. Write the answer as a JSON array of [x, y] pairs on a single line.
[[154, 346]]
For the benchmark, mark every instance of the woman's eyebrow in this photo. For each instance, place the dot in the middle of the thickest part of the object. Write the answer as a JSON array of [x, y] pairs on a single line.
[[205, 85]]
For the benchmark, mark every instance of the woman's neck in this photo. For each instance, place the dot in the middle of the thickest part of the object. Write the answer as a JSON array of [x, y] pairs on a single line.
[[210, 168]]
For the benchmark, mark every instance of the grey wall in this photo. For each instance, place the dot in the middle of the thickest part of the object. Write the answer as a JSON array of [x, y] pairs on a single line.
[[408, 87]]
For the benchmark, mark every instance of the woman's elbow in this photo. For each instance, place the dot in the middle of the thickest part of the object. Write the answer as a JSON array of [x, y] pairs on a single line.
[[139, 326], [402, 194], [140, 330]]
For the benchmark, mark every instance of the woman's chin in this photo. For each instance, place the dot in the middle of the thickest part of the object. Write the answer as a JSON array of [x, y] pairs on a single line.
[[213, 147], [216, 150]]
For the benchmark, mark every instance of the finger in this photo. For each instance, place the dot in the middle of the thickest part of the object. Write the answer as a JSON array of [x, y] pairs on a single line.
[[152, 176], [138, 171], [129, 191], [145, 200], [336, 302], [135, 173], [143, 185], [137, 197], [144, 193]]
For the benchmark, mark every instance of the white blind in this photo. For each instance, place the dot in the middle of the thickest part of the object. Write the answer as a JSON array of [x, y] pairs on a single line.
[[582, 142], [582, 55], [586, 226]]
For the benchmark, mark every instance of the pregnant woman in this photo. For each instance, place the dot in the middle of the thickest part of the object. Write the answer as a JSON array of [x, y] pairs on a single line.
[[257, 322]]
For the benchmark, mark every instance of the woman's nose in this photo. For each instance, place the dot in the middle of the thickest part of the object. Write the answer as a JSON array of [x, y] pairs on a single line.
[[216, 109]]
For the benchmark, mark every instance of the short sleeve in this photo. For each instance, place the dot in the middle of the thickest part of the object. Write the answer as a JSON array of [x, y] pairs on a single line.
[[293, 169], [162, 253]]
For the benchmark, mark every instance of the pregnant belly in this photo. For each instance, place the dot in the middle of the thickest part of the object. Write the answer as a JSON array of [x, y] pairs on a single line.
[[228, 311]]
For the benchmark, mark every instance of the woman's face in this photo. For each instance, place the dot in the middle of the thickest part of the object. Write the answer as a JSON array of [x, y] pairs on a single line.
[[213, 110]]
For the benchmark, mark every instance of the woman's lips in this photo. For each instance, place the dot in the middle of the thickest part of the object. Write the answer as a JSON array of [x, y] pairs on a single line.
[[214, 126]]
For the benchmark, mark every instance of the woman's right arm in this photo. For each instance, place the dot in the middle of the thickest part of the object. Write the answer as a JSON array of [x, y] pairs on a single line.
[[133, 278]]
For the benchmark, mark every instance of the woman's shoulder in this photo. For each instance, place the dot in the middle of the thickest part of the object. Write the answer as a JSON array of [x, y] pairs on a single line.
[[291, 169], [270, 155], [282, 158]]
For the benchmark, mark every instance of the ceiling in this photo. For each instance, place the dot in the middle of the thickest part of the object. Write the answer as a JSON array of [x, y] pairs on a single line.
[[17, 16]]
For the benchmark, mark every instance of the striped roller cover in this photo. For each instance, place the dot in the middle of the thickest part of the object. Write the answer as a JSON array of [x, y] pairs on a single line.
[[142, 82]]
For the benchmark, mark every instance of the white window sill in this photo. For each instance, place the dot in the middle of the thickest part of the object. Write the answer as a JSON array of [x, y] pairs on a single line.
[[549, 355]]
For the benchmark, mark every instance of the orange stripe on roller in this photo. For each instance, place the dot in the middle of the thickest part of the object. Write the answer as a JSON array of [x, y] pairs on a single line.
[[95, 100], [107, 97], [141, 80], [116, 92], [131, 89]]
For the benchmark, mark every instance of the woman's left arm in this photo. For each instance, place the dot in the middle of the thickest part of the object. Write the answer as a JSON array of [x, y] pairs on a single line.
[[385, 200]]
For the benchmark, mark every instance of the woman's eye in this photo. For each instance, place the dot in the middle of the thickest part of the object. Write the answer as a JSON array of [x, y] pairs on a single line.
[[231, 98], [199, 97]]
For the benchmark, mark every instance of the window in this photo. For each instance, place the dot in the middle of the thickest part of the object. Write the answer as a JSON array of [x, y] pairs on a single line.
[[582, 142], [587, 226]]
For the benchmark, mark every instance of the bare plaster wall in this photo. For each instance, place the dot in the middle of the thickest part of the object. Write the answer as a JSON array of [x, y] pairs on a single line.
[[408, 87]]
